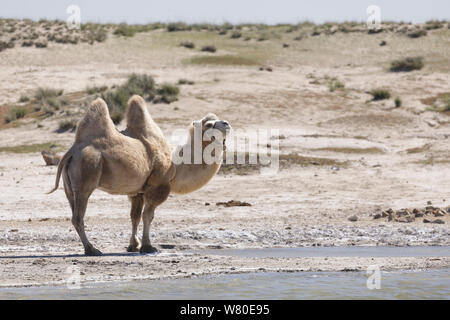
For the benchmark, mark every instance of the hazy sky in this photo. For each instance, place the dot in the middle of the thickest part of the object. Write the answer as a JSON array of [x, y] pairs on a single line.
[[234, 11]]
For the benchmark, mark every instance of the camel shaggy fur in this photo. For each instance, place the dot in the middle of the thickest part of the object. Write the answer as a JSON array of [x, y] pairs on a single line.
[[136, 162]]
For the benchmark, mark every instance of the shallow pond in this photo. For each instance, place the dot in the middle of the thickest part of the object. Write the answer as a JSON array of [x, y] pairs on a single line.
[[272, 285]]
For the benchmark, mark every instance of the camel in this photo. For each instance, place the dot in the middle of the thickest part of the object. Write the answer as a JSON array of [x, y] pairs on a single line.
[[136, 162]]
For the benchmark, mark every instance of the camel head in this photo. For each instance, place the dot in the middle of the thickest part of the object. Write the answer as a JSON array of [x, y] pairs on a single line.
[[213, 130], [198, 160]]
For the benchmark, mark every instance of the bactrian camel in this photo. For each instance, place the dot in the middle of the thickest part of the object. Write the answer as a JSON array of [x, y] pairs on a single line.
[[136, 162]]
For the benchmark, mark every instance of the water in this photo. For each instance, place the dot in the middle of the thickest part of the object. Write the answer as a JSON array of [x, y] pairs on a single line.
[[355, 251], [298, 285], [434, 284]]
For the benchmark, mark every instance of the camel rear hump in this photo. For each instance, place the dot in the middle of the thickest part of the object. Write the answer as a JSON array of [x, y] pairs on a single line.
[[95, 123], [139, 120]]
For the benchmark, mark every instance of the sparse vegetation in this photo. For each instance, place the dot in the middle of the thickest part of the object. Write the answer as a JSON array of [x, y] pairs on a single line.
[[443, 107], [15, 113], [433, 24], [417, 33], [185, 81], [349, 150], [209, 48], [41, 44], [95, 89], [407, 64], [178, 26], [46, 97], [125, 30], [236, 35], [229, 60], [398, 102], [187, 44], [380, 94], [23, 99], [66, 125], [167, 93], [31, 148], [334, 84], [141, 84]]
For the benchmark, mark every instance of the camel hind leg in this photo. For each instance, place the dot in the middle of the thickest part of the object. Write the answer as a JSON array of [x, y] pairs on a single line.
[[83, 175], [153, 197], [137, 202]]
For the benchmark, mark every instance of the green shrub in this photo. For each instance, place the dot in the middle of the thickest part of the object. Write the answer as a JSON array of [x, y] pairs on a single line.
[[117, 98], [167, 93], [140, 84], [187, 44], [66, 125], [15, 113], [27, 43], [24, 98], [209, 48], [407, 64], [168, 89], [236, 35], [380, 94], [334, 84], [433, 24], [41, 44], [178, 26], [185, 81], [43, 94], [398, 102], [125, 30], [94, 89], [417, 34]]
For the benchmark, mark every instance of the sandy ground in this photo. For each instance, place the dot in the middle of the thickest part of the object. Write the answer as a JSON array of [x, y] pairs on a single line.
[[302, 205]]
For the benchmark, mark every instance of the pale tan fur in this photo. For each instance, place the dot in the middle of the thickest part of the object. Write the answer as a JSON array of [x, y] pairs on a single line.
[[191, 177], [136, 162]]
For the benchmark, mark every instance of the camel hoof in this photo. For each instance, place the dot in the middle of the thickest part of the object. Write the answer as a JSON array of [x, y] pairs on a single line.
[[132, 248], [148, 249], [92, 252]]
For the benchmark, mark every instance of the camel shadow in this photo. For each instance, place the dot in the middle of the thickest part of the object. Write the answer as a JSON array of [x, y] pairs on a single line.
[[112, 254]]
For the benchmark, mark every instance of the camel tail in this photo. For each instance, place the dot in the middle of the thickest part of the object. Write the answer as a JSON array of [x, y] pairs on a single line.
[[61, 165]]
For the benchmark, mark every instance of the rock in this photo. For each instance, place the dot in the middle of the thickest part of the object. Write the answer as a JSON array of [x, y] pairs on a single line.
[[377, 216], [234, 203], [50, 158], [407, 219], [439, 213], [426, 221], [438, 221], [353, 218]]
